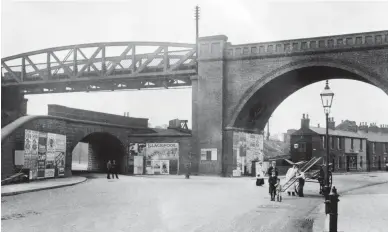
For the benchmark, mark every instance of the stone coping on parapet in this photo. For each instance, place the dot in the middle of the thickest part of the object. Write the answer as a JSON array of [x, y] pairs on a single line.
[[333, 43]]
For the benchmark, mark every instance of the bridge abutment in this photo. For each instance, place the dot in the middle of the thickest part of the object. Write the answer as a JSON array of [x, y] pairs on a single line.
[[13, 104], [208, 105]]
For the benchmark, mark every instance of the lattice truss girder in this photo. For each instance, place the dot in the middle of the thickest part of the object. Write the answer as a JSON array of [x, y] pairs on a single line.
[[129, 65]]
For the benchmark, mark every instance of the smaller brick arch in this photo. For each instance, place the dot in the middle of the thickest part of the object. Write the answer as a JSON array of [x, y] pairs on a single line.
[[357, 70], [105, 146]]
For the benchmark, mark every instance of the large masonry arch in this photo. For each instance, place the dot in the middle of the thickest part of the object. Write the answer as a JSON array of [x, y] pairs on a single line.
[[239, 86]]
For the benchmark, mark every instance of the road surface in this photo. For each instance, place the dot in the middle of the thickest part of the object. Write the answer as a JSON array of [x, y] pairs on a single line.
[[140, 204]]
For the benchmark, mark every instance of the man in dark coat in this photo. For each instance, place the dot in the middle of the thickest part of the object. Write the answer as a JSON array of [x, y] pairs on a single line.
[[273, 168], [109, 169], [115, 170], [272, 180]]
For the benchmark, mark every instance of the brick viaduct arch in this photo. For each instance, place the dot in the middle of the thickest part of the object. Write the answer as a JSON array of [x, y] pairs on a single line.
[[321, 69], [239, 86]]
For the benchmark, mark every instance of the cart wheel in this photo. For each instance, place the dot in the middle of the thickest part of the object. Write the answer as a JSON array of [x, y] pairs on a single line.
[[296, 188]]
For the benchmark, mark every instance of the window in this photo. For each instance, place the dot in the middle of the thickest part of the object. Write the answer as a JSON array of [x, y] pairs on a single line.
[[360, 161], [339, 142], [361, 144], [209, 154], [351, 143], [323, 142], [385, 148], [331, 142], [339, 162], [373, 148], [352, 162], [302, 147]]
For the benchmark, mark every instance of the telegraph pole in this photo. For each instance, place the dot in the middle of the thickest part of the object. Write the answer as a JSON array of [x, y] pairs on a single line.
[[197, 33]]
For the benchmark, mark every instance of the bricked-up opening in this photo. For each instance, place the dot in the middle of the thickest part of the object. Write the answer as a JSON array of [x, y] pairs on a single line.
[[257, 110], [103, 147]]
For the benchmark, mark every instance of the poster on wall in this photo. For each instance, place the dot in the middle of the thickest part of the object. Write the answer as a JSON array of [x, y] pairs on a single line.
[[50, 165], [209, 154], [162, 151], [137, 149], [31, 140], [164, 167], [42, 155], [60, 151], [138, 165], [149, 169], [51, 143], [248, 147]]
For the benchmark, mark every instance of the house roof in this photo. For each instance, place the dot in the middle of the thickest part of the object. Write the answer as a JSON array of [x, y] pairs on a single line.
[[375, 137], [322, 131], [163, 132]]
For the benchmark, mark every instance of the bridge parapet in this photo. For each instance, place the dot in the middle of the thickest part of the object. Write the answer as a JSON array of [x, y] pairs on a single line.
[[316, 44]]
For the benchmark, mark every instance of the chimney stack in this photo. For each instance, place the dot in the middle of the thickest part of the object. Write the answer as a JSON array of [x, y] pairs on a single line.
[[363, 127], [373, 128], [384, 129], [305, 122], [331, 124]]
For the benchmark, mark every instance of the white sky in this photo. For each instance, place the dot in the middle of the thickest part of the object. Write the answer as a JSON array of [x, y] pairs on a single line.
[[31, 25]]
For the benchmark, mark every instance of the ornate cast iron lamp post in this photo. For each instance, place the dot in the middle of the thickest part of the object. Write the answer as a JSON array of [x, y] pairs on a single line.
[[327, 99]]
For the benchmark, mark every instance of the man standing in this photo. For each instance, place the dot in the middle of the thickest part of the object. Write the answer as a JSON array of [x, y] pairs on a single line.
[[114, 170], [273, 169], [301, 178], [109, 167]]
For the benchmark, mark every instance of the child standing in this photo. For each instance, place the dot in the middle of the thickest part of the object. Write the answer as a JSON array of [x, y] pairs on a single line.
[[279, 191], [272, 185]]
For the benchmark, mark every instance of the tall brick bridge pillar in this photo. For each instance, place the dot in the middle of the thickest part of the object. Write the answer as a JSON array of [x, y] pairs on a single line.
[[13, 104], [208, 103]]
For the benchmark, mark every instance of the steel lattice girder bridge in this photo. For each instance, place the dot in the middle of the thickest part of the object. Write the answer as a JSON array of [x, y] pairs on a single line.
[[101, 66]]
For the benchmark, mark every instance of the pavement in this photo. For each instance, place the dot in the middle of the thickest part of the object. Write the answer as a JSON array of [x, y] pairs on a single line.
[[167, 203], [33, 186], [362, 208]]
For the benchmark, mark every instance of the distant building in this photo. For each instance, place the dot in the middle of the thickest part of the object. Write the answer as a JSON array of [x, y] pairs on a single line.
[[352, 148], [287, 136]]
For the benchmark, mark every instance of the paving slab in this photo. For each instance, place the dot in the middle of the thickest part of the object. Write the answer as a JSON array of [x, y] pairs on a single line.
[[361, 209], [33, 186]]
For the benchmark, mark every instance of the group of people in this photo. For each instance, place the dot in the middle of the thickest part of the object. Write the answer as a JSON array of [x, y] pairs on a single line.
[[275, 188], [112, 169]]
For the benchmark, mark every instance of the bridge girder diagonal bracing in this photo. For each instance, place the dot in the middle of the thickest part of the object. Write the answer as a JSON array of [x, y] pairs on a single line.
[[101, 66]]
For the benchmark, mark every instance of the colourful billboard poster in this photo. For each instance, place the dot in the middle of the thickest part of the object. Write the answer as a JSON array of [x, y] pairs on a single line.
[[42, 154], [137, 149], [165, 167], [162, 151]]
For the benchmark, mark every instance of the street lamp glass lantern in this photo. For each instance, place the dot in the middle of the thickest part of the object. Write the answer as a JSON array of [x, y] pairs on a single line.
[[327, 98]]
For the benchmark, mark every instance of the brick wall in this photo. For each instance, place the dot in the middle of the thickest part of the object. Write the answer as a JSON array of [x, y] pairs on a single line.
[[62, 111]]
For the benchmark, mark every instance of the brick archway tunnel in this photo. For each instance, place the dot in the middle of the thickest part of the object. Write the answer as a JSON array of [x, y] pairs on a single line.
[[104, 146]]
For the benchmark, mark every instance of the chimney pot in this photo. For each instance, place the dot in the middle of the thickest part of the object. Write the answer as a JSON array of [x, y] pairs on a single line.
[[303, 116], [307, 116]]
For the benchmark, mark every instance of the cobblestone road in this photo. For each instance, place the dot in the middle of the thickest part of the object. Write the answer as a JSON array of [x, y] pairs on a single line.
[[164, 204]]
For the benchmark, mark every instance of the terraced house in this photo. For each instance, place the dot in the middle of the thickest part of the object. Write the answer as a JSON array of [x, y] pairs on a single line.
[[352, 147]]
